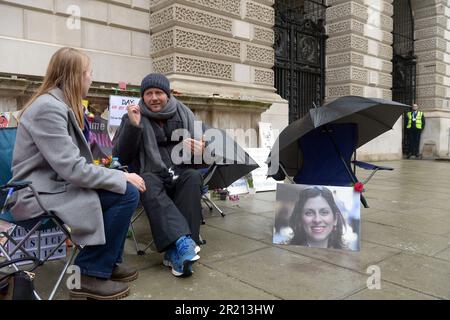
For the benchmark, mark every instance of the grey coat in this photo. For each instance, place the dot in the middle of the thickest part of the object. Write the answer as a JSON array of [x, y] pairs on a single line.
[[52, 153]]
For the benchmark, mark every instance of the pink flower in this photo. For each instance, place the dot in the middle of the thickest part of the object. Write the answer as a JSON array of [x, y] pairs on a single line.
[[359, 187], [91, 117]]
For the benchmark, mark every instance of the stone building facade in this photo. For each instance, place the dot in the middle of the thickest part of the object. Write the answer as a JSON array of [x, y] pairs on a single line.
[[359, 62], [219, 55]]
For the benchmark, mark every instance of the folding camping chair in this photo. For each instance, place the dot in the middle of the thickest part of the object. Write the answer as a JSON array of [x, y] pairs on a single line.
[[34, 228], [327, 157], [137, 215], [207, 174]]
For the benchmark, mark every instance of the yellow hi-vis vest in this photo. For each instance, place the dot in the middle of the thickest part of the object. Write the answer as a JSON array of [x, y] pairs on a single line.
[[418, 120]]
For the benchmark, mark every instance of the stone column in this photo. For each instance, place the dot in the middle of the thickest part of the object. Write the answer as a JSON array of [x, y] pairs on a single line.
[[220, 48], [432, 25], [359, 61]]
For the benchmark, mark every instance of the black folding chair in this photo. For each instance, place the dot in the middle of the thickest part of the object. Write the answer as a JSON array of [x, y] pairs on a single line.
[[207, 174]]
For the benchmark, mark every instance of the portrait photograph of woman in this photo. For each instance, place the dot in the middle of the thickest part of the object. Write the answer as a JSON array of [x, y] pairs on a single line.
[[317, 216]]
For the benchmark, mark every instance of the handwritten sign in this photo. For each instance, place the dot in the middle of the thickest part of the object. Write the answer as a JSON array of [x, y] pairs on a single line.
[[260, 180], [118, 107], [267, 135], [238, 187]]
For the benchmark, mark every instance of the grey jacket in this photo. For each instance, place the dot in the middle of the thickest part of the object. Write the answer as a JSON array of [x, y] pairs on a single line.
[[52, 153]]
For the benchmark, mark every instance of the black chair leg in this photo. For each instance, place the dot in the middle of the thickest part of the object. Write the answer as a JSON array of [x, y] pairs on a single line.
[[364, 201]]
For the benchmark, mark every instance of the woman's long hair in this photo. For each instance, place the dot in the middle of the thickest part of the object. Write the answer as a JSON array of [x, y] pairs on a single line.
[[65, 71], [335, 240]]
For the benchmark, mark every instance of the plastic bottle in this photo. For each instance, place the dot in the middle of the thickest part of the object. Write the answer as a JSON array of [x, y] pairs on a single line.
[[114, 163]]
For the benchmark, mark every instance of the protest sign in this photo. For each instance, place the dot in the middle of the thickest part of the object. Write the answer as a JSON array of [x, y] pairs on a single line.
[[317, 216], [260, 180], [118, 107], [238, 187], [267, 135]]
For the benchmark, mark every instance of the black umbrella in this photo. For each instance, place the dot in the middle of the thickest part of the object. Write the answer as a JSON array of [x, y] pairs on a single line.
[[229, 161], [373, 117]]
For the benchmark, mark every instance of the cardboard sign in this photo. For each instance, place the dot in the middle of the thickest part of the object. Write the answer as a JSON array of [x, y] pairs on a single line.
[[99, 139], [118, 107], [238, 187], [260, 180], [8, 119], [267, 136], [49, 240], [4, 119]]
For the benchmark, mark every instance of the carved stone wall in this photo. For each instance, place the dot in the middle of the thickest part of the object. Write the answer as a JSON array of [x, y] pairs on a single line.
[[113, 33], [433, 73], [359, 55], [230, 41], [218, 48], [359, 48]]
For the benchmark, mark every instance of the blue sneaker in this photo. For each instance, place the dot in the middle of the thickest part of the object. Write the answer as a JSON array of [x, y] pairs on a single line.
[[193, 244], [181, 257], [177, 271]]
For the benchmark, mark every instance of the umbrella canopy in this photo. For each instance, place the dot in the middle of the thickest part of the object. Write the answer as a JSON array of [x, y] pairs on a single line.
[[230, 161], [373, 117]]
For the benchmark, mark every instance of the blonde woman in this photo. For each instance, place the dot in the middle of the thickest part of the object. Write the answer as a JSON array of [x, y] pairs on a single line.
[[96, 203]]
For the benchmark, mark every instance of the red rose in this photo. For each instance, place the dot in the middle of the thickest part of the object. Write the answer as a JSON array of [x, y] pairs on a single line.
[[359, 187]]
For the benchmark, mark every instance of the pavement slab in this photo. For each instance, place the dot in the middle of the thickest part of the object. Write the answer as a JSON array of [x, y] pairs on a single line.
[[253, 226], [205, 284], [390, 291], [425, 223], [405, 240], [292, 276], [424, 274], [359, 261]]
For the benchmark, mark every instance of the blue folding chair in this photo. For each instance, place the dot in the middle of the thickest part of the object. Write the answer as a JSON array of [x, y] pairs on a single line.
[[34, 228], [327, 157]]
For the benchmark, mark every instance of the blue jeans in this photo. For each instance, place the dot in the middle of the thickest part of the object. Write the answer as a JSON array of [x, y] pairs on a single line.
[[99, 261]]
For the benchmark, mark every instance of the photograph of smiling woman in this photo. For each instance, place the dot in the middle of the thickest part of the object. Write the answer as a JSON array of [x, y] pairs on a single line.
[[317, 221]]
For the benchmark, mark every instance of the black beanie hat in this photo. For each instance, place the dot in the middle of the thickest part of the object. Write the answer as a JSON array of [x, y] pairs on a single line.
[[155, 80]]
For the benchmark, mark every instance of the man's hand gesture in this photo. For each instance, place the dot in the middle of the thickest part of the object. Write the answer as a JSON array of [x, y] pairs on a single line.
[[134, 113]]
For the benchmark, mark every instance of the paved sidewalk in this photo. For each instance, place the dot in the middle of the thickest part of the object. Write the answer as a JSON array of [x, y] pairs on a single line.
[[406, 232]]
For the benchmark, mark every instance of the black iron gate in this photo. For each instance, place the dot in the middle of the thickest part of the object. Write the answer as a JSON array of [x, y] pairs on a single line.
[[300, 54], [404, 60]]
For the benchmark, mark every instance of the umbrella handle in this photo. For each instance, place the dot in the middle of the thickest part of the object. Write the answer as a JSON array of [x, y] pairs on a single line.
[[286, 175]]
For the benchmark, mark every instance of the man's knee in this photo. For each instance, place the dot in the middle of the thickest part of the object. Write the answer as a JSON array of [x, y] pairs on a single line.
[[151, 179], [193, 176], [154, 186]]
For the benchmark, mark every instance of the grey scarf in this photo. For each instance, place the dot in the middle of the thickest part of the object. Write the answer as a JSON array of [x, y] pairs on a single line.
[[150, 158]]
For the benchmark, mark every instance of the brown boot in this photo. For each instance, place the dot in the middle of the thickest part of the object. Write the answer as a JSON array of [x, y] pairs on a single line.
[[124, 273], [100, 289]]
